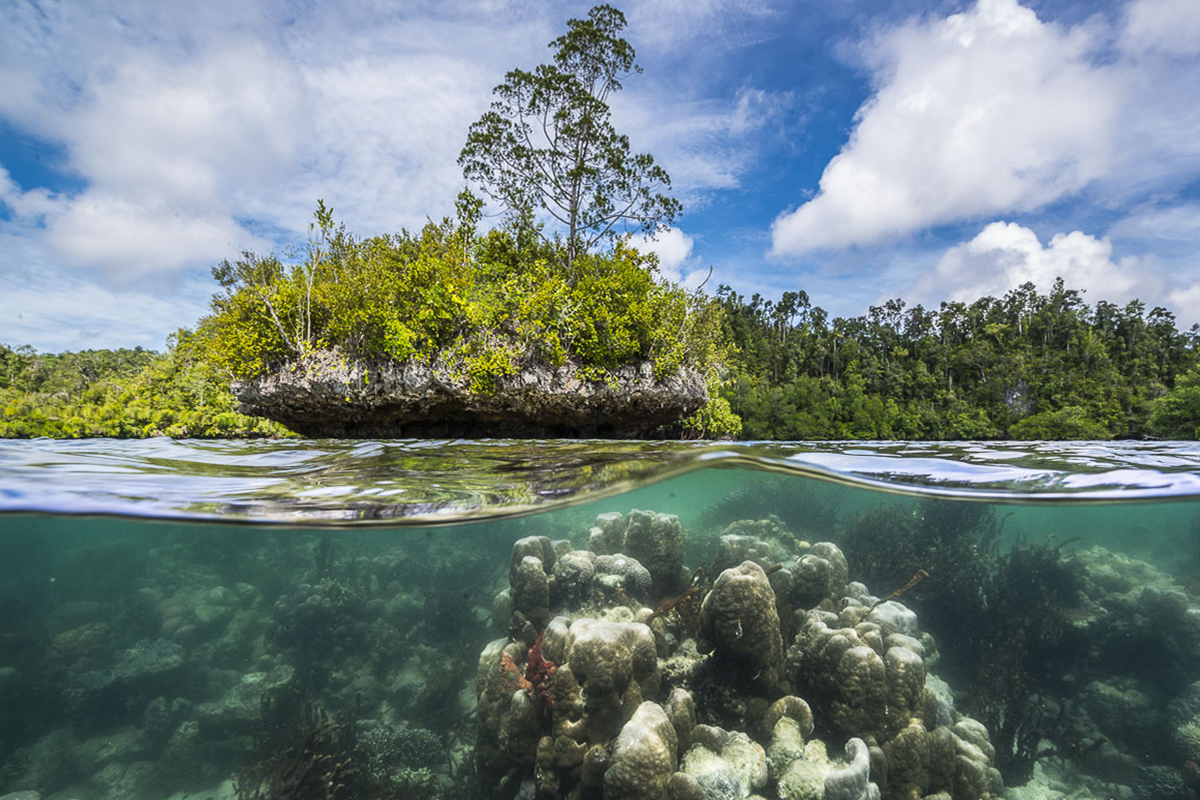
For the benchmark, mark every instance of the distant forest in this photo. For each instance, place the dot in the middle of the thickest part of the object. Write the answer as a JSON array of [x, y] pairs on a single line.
[[120, 393], [1024, 366]]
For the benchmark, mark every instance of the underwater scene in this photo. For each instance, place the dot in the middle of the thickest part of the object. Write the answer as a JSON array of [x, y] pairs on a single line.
[[192, 620]]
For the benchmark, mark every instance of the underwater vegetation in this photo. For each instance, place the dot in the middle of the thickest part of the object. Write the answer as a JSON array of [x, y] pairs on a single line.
[[1085, 656]]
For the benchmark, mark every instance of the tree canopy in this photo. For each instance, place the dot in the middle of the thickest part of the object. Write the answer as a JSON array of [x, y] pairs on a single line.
[[120, 393], [1028, 365], [548, 146]]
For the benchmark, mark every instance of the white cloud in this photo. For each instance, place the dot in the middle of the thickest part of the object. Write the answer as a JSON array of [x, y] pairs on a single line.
[[704, 145], [984, 111], [28, 207], [54, 309], [666, 24], [201, 129], [1005, 255], [1162, 26], [132, 239], [1162, 227], [673, 248]]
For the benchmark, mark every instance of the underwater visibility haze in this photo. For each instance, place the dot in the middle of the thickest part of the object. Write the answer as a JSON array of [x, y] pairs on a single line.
[[599, 620]]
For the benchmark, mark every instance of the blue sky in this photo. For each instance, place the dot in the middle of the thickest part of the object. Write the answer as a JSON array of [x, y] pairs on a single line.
[[859, 150]]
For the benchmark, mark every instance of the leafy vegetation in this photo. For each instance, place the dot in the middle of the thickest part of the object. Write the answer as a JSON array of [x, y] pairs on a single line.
[[1027, 365], [120, 393], [481, 306]]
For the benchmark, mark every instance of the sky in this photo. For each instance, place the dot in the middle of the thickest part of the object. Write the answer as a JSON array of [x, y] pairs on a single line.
[[859, 150]]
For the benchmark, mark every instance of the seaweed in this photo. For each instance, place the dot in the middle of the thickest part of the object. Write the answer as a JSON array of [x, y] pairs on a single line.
[[308, 755], [320, 766], [954, 541], [1017, 658]]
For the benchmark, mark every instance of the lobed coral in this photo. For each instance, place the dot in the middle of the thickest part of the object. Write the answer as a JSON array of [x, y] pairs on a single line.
[[643, 706]]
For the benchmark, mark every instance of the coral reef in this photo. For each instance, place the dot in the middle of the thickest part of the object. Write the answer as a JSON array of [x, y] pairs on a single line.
[[629, 660], [646, 706]]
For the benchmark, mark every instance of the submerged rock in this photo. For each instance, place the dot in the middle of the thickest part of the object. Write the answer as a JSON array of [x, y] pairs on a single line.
[[331, 396]]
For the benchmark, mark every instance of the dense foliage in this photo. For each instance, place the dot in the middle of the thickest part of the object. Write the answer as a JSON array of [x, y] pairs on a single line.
[[119, 393], [483, 306], [1027, 366]]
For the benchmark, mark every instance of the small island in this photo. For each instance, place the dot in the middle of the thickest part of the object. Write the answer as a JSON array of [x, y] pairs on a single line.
[[546, 326]]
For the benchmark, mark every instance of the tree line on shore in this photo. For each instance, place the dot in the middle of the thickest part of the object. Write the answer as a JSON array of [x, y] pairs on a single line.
[[124, 393], [1028, 365]]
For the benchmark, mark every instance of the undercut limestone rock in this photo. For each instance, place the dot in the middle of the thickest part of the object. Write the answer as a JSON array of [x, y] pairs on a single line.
[[329, 395]]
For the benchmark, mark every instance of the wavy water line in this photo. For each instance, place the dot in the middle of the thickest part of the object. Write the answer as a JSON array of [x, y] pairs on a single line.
[[333, 483]]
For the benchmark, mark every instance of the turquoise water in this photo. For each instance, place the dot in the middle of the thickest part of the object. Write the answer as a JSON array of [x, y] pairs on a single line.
[[598, 620]]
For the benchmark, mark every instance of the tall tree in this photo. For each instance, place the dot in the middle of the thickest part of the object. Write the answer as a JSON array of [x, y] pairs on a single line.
[[548, 146]]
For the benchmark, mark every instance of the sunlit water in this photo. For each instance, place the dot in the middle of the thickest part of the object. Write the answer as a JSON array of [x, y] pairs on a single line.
[[361, 624]]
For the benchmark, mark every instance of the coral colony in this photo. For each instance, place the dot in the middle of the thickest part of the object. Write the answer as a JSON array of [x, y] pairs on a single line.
[[616, 700]]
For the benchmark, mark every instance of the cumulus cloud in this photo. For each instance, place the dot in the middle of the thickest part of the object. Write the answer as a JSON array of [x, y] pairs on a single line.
[[1005, 255], [31, 206], [48, 306], [195, 128], [673, 248], [984, 111]]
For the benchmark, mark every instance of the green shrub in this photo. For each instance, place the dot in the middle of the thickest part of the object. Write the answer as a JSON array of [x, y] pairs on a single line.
[[484, 305]]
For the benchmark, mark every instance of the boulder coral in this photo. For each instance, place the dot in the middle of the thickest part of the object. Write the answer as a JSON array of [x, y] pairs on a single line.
[[738, 621], [658, 704], [654, 541], [643, 756]]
